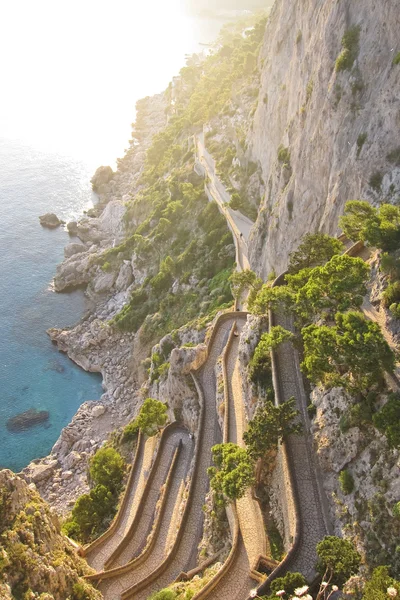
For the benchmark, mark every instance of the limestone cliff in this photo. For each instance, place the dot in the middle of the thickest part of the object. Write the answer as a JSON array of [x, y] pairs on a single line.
[[36, 561], [338, 126]]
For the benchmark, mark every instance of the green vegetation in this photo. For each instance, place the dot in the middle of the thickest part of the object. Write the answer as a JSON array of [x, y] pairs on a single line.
[[396, 60], [233, 472], [288, 582], [271, 424], [337, 559], [245, 281], [284, 155], [93, 512], [36, 561], [394, 156], [260, 363], [350, 49], [173, 232], [152, 417], [375, 181], [346, 481], [315, 249], [362, 138], [379, 227], [353, 354], [377, 588], [387, 420]]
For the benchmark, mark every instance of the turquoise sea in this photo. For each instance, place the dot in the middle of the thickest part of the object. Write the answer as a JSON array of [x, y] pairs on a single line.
[[33, 374]]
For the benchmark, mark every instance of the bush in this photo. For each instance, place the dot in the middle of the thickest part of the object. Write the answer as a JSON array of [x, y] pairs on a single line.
[[164, 595], [346, 482], [284, 155], [107, 468], [394, 155], [351, 47], [392, 294], [396, 60], [387, 420], [289, 583], [395, 310], [375, 181], [362, 138], [396, 510], [337, 559]]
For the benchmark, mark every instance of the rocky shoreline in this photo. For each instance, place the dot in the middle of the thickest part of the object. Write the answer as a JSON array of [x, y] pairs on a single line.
[[61, 477]]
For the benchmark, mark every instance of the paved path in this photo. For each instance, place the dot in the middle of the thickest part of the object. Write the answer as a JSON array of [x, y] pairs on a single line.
[[237, 222], [312, 501], [112, 588], [143, 526], [185, 557], [98, 556]]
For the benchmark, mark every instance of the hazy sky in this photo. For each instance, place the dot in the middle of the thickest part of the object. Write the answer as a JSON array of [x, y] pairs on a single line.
[[71, 71]]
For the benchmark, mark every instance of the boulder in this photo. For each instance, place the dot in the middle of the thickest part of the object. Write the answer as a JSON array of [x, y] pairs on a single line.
[[40, 472], [72, 227], [50, 220], [102, 176], [72, 249], [98, 410]]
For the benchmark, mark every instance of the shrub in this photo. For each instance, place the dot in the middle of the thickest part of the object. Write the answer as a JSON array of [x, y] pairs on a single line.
[[299, 36], [351, 47], [392, 294], [107, 468], [375, 181], [395, 310], [396, 60], [387, 420], [362, 138], [396, 510], [377, 227], [377, 587], [284, 155], [337, 559], [164, 595], [394, 156], [289, 583], [233, 472], [346, 481]]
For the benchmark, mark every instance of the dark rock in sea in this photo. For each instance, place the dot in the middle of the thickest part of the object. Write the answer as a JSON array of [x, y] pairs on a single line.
[[50, 220], [55, 365], [27, 419]]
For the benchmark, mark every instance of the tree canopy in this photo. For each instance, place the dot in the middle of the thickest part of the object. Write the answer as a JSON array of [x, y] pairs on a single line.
[[245, 280], [378, 227], [337, 559], [336, 286], [152, 417], [233, 472], [315, 249], [353, 354], [270, 425], [379, 584]]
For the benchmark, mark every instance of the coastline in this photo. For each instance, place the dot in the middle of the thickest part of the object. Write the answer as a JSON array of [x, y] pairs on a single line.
[[93, 345]]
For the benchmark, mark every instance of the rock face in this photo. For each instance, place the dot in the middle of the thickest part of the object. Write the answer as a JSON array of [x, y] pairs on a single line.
[[36, 560], [338, 127], [50, 220], [102, 176], [27, 419]]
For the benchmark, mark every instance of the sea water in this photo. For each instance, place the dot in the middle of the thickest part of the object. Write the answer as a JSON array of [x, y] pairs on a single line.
[[70, 82], [33, 374]]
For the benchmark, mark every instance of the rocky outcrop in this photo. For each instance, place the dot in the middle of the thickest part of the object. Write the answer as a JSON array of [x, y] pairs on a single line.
[[365, 514], [50, 220], [36, 560], [102, 176], [338, 127]]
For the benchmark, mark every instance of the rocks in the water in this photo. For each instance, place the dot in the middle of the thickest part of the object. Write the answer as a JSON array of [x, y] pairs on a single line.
[[27, 419], [102, 176], [50, 220]]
